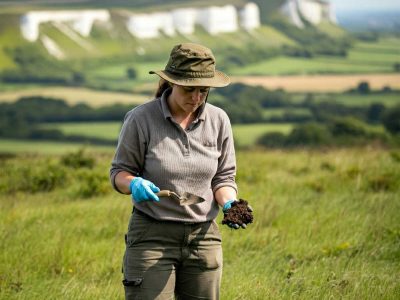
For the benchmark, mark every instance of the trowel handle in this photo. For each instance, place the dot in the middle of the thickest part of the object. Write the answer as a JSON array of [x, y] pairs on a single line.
[[164, 193]]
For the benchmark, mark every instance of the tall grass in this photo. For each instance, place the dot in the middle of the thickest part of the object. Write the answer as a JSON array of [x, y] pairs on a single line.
[[326, 227]]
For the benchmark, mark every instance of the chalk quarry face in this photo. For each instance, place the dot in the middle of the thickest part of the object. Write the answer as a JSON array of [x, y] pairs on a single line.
[[214, 20]]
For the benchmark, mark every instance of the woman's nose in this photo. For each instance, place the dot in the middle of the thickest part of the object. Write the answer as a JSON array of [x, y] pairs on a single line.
[[196, 95]]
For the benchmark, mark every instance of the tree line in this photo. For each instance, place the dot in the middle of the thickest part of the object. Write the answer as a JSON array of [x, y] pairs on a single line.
[[327, 122]]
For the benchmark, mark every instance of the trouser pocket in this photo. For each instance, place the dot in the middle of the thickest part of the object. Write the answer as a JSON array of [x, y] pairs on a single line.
[[138, 228]]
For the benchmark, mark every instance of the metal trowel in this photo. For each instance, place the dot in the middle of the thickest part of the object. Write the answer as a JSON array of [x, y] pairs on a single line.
[[184, 199]]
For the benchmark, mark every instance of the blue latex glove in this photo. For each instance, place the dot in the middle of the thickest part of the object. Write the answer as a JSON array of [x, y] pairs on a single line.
[[225, 209], [143, 190]]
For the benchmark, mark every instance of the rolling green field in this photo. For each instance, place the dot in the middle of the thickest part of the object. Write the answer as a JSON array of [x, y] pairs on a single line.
[[8, 146], [245, 134], [362, 58], [105, 130], [326, 227], [352, 99]]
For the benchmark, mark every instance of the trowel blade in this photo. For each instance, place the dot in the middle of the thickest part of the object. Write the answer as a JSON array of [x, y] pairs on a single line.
[[189, 199]]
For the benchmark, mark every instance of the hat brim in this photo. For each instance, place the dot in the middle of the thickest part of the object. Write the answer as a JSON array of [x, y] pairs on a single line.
[[219, 80]]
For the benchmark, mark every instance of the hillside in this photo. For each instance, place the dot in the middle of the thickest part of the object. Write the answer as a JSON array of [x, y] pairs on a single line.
[[64, 49]]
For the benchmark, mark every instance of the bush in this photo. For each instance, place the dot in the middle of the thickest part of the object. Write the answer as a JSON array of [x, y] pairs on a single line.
[[40, 177], [272, 140], [375, 112], [78, 160], [396, 67], [90, 184], [363, 87], [131, 73], [391, 120], [309, 134], [347, 127]]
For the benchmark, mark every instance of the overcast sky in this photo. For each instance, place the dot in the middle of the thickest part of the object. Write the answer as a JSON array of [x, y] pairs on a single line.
[[354, 5]]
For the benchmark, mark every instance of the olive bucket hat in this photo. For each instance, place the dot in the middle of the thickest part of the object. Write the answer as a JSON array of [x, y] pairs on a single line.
[[192, 65]]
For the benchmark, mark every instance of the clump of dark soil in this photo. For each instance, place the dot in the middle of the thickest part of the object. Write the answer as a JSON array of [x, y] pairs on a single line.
[[240, 213]]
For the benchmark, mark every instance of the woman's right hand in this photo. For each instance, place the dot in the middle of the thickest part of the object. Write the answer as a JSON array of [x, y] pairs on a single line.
[[143, 190]]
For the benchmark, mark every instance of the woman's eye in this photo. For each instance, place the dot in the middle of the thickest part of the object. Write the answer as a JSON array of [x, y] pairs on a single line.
[[203, 91]]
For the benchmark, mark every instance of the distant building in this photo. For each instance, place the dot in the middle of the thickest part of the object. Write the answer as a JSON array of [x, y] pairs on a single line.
[[82, 21]]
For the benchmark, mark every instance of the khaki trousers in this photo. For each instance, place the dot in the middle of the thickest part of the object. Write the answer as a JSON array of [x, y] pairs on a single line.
[[171, 260]]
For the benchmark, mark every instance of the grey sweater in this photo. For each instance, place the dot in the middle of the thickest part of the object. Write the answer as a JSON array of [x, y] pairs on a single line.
[[198, 160]]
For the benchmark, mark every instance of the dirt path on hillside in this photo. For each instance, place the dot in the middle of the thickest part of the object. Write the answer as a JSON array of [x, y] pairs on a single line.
[[321, 83]]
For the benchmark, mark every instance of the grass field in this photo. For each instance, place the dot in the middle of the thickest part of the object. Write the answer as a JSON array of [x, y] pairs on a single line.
[[104, 130], [326, 227], [75, 95], [44, 147], [361, 100], [377, 57], [245, 134]]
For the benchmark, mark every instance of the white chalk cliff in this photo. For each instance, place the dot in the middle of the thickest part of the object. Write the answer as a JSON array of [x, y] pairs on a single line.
[[312, 11], [78, 24]]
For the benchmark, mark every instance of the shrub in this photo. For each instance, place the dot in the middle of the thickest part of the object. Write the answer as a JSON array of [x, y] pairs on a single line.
[[309, 134], [131, 73], [78, 160], [396, 67], [382, 182], [347, 127], [375, 112], [272, 140], [391, 120], [363, 87], [90, 184], [40, 177]]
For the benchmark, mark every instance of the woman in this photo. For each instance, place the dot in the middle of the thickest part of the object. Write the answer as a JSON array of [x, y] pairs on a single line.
[[176, 142]]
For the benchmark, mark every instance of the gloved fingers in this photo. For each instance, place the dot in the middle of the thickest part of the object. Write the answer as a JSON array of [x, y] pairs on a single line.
[[153, 187], [234, 225], [150, 195], [237, 226]]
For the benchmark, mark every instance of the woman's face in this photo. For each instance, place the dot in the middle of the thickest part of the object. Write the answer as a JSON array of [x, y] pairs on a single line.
[[188, 98]]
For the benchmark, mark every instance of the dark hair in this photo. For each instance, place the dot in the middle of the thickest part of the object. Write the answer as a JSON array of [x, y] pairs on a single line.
[[163, 85]]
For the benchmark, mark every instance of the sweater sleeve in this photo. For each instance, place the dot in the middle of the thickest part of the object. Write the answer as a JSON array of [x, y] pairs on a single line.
[[226, 171], [131, 149]]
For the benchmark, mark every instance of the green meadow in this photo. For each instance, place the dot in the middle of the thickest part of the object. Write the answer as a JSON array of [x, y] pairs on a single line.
[[244, 134], [326, 226], [363, 57]]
